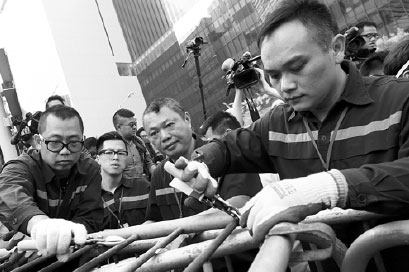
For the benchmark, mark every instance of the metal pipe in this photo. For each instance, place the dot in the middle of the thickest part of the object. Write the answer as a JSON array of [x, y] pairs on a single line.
[[240, 240], [206, 254], [151, 252], [104, 256], [274, 254], [74, 255], [191, 224], [372, 241], [339, 216]]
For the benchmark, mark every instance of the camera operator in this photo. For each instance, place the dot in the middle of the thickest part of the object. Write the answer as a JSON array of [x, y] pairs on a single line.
[[360, 42], [243, 75], [27, 128], [369, 32]]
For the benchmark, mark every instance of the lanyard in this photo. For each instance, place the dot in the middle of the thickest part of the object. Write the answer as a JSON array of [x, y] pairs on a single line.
[[118, 219], [326, 163], [178, 199]]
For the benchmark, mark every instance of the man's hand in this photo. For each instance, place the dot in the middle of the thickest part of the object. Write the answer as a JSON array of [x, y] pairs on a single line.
[[53, 236], [195, 174], [292, 200], [264, 87]]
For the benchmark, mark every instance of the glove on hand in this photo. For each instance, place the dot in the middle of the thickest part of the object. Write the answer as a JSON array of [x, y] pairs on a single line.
[[195, 174], [53, 236], [292, 200]]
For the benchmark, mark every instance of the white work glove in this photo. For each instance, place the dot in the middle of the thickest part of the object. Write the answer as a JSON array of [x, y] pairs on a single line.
[[53, 236], [195, 174], [291, 200]]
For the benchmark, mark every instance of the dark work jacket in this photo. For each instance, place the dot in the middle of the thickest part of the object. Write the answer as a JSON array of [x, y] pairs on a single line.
[[29, 187], [371, 148], [127, 204], [171, 204]]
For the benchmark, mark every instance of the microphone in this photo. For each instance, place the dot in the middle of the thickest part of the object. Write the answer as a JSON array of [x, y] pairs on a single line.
[[227, 65]]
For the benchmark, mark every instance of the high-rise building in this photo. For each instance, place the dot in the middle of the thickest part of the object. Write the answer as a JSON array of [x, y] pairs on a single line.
[[158, 31]]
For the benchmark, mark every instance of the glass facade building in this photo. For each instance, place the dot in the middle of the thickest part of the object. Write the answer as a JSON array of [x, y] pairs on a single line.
[[158, 31]]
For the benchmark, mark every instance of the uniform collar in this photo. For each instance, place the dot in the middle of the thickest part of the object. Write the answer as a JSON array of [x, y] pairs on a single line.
[[127, 182], [355, 91], [124, 182]]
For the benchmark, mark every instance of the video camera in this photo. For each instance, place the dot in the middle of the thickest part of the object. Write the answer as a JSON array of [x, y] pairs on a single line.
[[353, 45], [241, 73], [194, 43], [31, 122]]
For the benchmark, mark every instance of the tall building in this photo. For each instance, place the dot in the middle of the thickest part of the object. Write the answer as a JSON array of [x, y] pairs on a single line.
[[158, 31], [143, 23], [72, 48]]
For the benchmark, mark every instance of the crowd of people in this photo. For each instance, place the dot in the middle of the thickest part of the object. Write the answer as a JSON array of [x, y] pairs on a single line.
[[337, 138]]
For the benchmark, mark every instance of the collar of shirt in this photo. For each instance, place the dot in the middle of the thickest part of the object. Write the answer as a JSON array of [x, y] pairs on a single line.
[[125, 183], [355, 92]]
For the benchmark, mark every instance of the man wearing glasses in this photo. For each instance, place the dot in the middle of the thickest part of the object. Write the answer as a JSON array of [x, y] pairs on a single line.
[[53, 193], [369, 32], [125, 200], [139, 162]]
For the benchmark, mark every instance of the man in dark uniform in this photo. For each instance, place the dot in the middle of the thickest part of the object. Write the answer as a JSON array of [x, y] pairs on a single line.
[[169, 129], [341, 140], [125, 200], [53, 193]]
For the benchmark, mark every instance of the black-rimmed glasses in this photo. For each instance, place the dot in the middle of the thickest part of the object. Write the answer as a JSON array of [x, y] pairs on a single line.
[[111, 153], [131, 124], [371, 35], [57, 146]]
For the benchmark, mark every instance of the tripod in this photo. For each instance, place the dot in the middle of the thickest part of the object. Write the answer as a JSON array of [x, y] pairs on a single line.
[[193, 47]]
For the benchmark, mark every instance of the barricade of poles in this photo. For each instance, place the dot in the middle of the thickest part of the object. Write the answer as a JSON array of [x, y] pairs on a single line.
[[162, 246]]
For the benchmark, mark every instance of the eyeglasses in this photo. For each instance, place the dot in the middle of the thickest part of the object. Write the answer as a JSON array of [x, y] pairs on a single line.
[[57, 146], [111, 153], [371, 35], [131, 124]]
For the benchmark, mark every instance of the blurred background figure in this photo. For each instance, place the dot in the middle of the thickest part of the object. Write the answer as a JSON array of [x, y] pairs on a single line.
[[373, 66], [139, 161], [396, 60], [155, 154], [54, 100], [90, 147]]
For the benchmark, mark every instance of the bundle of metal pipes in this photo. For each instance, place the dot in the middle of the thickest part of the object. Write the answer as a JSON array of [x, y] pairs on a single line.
[[161, 246]]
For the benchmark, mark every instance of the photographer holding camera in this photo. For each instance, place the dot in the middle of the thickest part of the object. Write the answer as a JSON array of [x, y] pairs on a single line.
[[360, 42], [243, 75], [27, 128], [369, 32]]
